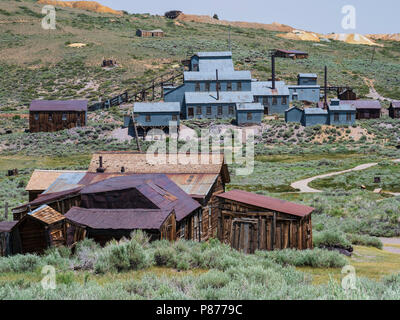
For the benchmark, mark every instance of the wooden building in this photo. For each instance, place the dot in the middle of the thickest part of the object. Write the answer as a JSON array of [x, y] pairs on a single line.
[[366, 109], [251, 222], [7, 236], [150, 33], [347, 94], [50, 116], [394, 110], [292, 54]]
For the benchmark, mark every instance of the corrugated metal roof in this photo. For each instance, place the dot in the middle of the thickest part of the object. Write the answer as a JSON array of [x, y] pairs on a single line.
[[7, 226], [264, 88], [42, 179], [66, 181], [117, 219], [58, 105], [224, 97], [157, 188], [396, 104], [315, 111], [307, 75], [294, 108], [209, 54], [304, 86], [267, 203], [196, 185], [47, 215], [211, 75], [150, 107], [342, 107], [363, 104], [292, 51], [250, 107]]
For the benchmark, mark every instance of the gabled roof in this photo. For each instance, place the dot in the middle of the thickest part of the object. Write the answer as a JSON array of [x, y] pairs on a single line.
[[264, 88], [293, 108], [267, 203], [157, 188], [224, 97], [363, 104], [42, 179], [58, 105], [7, 226], [210, 74], [46, 215], [250, 107], [150, 107], [117, 219], [342, 107]]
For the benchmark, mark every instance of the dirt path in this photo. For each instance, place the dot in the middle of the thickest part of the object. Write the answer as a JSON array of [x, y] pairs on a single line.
[[391, 244], [302, 185], [372, 91]]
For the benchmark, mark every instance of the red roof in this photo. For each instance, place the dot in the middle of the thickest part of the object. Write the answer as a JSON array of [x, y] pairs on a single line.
[[269, 203], [118, 219], [58, 105]]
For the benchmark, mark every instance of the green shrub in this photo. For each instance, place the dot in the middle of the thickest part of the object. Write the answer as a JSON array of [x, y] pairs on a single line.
[[330, 239], [365, 240], [20, 263]]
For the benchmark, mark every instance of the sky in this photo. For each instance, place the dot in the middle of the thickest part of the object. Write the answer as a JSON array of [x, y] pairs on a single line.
[[323, 16]]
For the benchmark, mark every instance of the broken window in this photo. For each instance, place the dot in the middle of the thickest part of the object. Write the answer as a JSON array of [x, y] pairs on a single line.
[[249, 116], [274, 101], [348, 117], [208, 110], [265, 101], [219, 110], [198, 110], [36, 116], [239, 86], [197, 86], [207, 86], [174, 117], [284, 100], [229, 86], [190, 112], [231, 109], [50, 117], [64, 117], [148, 118]]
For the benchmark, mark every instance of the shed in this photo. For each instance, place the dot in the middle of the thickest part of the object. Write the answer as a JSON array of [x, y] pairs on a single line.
[[103, 225], [314, 116], [249, 113], [294, 114], [150, 33], [156, 114], [307, 79], [41, 229], [292, 54], [55, 115], [251, 222], [366, 109], [8, 237], [347, 94], [394, 110]]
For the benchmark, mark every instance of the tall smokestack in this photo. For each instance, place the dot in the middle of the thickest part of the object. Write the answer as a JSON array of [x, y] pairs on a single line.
[[326, 89], [100, 169], [273, 70], [217, 84]]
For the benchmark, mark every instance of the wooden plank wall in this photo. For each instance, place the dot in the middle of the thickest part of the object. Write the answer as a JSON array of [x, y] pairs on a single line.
[[168, 229], [265, 230], [43, 124]]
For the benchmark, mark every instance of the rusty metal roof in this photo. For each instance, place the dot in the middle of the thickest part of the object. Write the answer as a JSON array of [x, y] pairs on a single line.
[[117, 219], [157, 188], [7, 226], [66, 181], [267, 202], [58, 105], [46, 215]]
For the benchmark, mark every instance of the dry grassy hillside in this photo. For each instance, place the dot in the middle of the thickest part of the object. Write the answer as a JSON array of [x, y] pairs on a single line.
[[83, 5]]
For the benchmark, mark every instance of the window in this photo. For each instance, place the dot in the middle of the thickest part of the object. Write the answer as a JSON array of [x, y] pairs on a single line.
[[50, 117], [198, 110], [207, 86], [249, 116], [348, 116], [265, 101], [231, 109], [219, 110], [239, 86], [336, 116], [284, 100], [208, 110], [148, 118], [195, 67], [218, 86], [190, 112], [174, 117], [256, 99], [36, 116], [197, 88], [64, 117], [274, 101], [229, 86]]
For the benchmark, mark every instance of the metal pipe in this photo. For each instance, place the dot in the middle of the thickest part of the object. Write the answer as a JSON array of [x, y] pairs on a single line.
[[273, 70], [326, 89], [217, 84]]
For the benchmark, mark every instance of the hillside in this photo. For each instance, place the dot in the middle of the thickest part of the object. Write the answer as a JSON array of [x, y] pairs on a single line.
[[42, 64], [82, 5]]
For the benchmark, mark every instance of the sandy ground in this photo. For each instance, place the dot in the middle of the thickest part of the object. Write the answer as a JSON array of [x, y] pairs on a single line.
[[121, 134], [372, 91]]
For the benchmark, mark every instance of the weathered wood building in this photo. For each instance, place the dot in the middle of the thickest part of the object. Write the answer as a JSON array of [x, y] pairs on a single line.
[[7, 236], [251, 222], [150, 33], [50, 116], [394, 110], [292, 54]]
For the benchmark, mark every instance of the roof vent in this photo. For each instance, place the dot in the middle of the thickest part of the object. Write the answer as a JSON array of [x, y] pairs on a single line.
[[122, 169]]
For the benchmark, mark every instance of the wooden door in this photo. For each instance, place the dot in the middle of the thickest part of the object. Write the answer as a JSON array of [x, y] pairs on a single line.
[[245, 235]]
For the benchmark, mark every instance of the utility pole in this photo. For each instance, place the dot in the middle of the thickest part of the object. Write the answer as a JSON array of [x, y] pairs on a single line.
[[136, 132]]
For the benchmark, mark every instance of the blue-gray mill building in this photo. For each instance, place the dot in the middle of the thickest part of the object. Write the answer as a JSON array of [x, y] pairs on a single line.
[[213, 89], [335, 114]]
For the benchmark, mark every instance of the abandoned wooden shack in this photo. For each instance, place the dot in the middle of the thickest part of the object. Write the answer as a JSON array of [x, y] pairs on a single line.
[[150, 33], [103, 225], [7, 236], [394, 110], [251, 222], [347, 94], [292, 54], [50, 116], [366, 109]]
